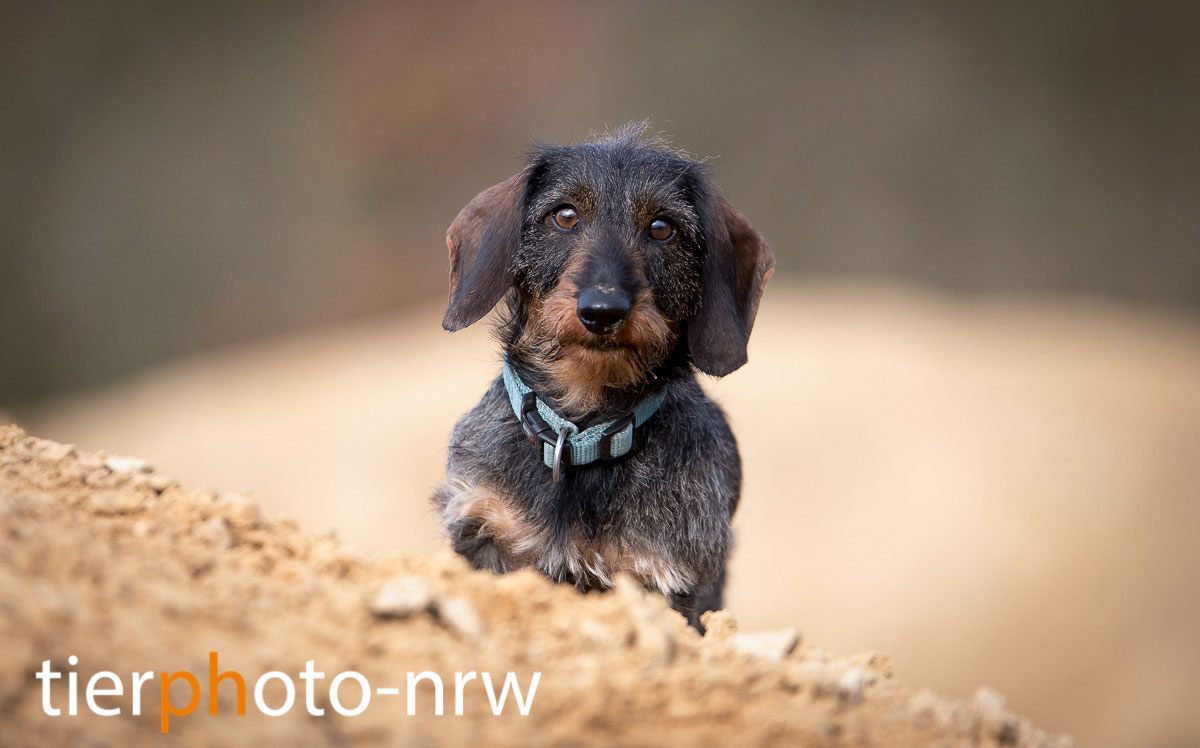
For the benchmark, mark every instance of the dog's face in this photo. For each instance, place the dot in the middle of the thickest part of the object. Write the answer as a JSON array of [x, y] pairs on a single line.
[[621, 251]]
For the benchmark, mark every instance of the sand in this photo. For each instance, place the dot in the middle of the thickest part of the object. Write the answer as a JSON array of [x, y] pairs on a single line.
[[107, 560], [990, 491]]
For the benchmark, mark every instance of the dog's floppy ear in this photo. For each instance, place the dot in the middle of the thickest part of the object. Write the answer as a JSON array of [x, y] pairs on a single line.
[[736, 270], [481, 241]]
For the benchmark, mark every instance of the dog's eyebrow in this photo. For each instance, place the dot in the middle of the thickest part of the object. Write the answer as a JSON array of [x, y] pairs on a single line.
[[674, 198], [679, 210], [549, 195]]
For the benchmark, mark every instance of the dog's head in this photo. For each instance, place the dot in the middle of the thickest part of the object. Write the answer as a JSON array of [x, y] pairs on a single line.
[[621, 250]]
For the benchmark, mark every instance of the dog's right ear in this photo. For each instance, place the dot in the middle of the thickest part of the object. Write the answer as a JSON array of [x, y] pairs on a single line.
[[481, 241]]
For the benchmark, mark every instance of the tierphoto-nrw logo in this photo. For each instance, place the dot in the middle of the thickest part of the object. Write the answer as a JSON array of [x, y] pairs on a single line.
[[348, 693]]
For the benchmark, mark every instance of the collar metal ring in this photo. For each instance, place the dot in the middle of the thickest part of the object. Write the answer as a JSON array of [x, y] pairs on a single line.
[[558, 451]]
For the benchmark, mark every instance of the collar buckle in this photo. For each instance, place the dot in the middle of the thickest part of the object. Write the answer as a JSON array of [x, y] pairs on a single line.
[[532, 423], [541, 435]]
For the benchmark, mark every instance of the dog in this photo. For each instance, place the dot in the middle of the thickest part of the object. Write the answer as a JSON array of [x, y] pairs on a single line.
[[623, 271]]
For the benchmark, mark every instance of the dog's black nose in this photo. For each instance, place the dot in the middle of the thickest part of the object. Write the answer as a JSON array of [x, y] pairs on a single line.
[[602, 312]]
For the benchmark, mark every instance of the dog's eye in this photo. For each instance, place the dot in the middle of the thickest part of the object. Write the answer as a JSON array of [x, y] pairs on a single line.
[[661, 230], [566, 217]]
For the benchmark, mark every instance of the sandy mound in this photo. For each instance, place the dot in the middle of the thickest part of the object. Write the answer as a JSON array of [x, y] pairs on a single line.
[[989, 490], [111, 562]]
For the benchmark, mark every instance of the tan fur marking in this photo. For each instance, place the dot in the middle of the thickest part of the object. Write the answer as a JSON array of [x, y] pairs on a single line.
[[498, 518], [526, 544]]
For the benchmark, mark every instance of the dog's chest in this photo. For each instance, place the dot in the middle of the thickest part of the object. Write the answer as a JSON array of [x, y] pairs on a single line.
[[572, 556]]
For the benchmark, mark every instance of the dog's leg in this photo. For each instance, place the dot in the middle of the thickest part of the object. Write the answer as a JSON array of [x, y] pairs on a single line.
[[688, 605], [477, 547], [484, 526], [709, 596]]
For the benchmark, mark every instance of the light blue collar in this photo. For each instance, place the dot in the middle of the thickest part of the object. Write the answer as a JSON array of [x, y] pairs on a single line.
[[562, 441]]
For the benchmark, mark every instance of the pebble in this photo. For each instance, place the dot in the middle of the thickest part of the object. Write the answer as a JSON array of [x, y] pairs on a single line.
[[850, 685], [719, 624], [654, 643], [818, 677], [119, 464], [771, 646], [53, 450], [928, 705], [993, 717], [240, 509], [400, 597], [160, 482], [214, 532], [459, 615]]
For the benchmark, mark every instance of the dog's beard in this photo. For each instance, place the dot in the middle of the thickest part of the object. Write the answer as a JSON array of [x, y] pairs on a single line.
[[587, 368]]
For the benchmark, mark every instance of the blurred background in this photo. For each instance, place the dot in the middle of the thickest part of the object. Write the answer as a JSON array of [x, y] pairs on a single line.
[[221, 249]]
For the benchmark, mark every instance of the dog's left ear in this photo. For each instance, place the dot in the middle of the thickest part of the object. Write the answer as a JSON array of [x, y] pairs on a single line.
[[736, 270], [481, 242]]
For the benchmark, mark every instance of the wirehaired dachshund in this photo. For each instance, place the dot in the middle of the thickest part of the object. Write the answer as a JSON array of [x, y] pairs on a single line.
[[623, 272]]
